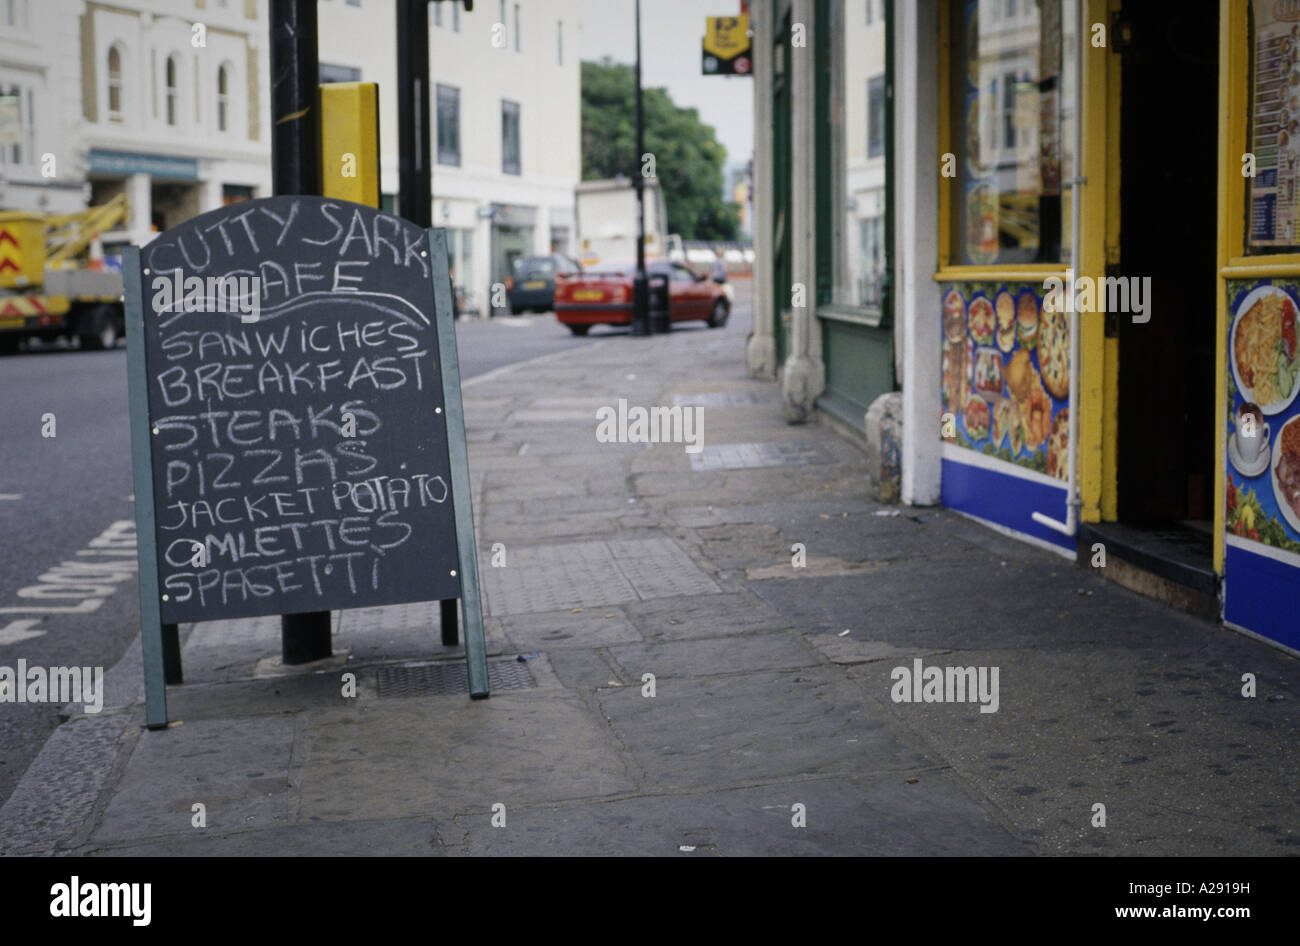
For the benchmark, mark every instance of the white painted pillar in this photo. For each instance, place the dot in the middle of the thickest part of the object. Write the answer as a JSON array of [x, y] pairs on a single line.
[[760, 350], [916, 189], [482, 285], [804, 378], [210, 195], [542, 231], [139, 196]]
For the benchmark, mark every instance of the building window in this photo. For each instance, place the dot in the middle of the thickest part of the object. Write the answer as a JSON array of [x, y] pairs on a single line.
[[114, 84], [870, 4], [851, 174], [559, 42], [516, 27], [329, 72], [510, 137], [437, 14], [223, 97], [455, 17], [1010, 91], [14, 129], [448, 125], [876, 117], [171, 90]]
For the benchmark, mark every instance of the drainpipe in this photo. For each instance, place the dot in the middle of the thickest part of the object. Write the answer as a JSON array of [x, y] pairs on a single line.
[[1076, 195]]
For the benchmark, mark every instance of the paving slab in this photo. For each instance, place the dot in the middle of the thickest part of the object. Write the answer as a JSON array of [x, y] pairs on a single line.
[[714, 731], [842, 817], [442, 755]]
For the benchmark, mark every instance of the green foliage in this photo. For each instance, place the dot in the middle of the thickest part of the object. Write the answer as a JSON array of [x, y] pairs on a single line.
[[688, 157]]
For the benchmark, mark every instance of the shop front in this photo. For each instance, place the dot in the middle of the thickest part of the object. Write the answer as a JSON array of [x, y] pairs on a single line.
[[1258, 300], [1107, 345]]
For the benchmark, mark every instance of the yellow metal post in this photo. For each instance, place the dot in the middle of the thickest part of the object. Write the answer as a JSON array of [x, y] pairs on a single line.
[[349, 141], [1092, 166]]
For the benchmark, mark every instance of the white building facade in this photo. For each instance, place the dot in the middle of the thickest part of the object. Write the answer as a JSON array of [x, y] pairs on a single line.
[[165, 101], [168, 101], [506, 125]]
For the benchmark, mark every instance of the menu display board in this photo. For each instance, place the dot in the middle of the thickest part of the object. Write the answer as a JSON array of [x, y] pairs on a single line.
[[299, 442], [1274, 125]]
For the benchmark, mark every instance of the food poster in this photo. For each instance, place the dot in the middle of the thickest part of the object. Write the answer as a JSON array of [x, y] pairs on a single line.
[[1006, 375], [1275, 124], [1263, 475]]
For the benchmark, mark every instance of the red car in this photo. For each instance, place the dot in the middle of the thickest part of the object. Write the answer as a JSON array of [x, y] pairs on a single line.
[[602, 295]]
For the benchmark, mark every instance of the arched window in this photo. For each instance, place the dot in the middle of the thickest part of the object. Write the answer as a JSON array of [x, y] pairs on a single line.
[[114, 84], [171, 90], [223, 97]]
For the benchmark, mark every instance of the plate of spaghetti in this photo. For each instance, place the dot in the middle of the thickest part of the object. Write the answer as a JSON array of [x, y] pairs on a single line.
[[1265, 362]]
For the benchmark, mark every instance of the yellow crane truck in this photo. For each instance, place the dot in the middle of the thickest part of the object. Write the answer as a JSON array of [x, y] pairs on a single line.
[[54, 281]]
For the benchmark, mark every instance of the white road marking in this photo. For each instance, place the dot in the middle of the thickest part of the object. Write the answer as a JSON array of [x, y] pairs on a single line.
[[12, 497], [91, 582], [21, 630]]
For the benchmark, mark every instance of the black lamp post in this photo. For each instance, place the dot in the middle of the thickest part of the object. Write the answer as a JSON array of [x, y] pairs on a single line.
[[640, 287]]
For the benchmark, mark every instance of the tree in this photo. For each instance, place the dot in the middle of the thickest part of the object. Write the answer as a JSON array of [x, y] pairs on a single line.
[[688, 157]]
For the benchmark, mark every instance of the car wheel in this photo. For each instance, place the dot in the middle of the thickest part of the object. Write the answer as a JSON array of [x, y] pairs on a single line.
[[102, 334], [718, 317], [9, 344], [579, 329]]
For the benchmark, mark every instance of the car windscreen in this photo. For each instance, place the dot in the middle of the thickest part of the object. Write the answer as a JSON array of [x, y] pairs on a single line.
[[534, 266]]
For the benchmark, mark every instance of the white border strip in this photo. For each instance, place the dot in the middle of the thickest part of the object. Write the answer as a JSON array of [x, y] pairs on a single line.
[[1019, 536], [1278, 645], [969, 457], [1265, 551]]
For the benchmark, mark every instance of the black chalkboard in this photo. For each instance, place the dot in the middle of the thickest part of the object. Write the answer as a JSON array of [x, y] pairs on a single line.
[[298, 435]]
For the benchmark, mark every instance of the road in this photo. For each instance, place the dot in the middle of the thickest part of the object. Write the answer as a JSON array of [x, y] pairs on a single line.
[[60, 492]]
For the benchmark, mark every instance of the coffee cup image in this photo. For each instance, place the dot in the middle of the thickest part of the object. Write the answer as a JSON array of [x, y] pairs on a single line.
[[1252, 433]]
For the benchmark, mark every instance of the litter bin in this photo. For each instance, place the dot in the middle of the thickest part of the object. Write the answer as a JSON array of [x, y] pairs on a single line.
[[659, 317]]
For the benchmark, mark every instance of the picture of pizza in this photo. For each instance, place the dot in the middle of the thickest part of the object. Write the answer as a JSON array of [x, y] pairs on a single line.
[[1054, 352], [983, 322], [977, 418], [954, 316], [956, 371], [1006, 423], [988, 373], [1036, 409], [1058, 446], [1006, 309], [1019, 374], [1027, 319]]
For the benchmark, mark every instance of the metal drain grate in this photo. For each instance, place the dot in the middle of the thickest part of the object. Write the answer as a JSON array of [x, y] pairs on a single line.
[[450, 679]]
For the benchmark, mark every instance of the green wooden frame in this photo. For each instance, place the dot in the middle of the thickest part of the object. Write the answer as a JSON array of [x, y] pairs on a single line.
[[466, 549], [146, 547]]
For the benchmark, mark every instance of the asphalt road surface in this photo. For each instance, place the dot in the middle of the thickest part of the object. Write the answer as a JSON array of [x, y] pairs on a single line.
[[60, 492]]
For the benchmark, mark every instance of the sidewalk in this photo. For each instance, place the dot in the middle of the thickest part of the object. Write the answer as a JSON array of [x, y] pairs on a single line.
[[623, 560]]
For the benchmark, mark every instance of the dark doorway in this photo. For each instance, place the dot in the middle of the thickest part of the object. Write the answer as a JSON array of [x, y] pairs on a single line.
[[1168, 196]]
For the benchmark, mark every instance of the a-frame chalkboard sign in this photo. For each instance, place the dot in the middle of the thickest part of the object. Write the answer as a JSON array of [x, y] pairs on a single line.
[[297, 435]]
